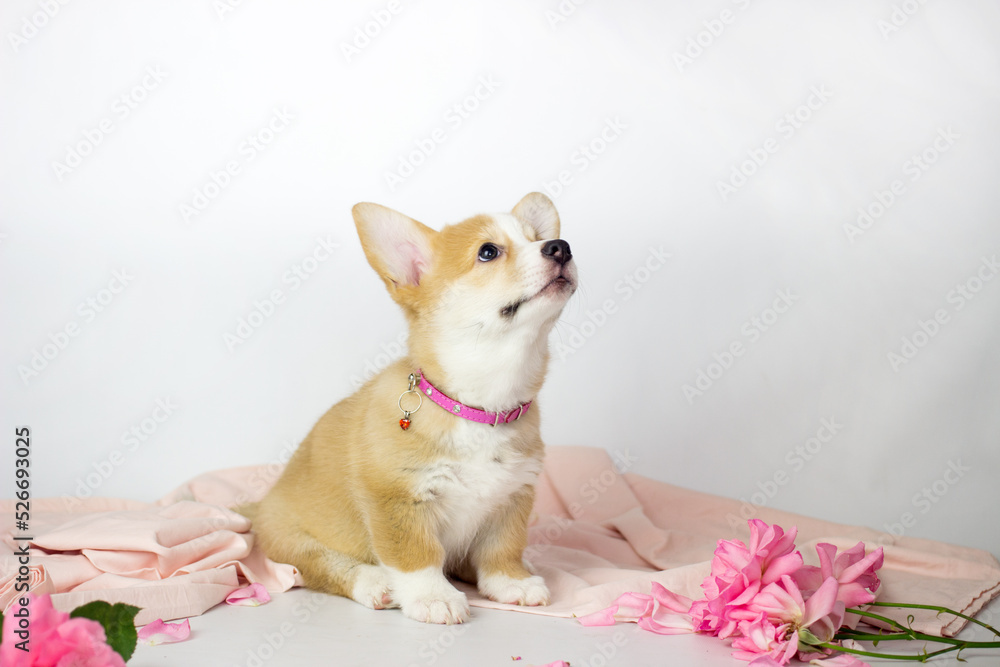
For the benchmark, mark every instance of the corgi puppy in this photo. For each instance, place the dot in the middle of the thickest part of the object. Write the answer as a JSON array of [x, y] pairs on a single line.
[[429, 469]]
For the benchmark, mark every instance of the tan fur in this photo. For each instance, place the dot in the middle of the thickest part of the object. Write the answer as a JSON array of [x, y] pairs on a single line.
[[352, 495]]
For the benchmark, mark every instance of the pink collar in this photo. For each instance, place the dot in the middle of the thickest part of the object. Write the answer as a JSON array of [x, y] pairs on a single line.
[[458, 409]]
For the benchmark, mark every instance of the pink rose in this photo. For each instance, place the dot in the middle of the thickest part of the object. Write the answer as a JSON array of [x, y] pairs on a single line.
[[764, 599], [55, 639], [738, 574], [761, 638], [853, 570], [821, 613]]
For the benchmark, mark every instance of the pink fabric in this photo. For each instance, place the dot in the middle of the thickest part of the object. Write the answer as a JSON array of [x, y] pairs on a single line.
[[173, 559], [595, 534]]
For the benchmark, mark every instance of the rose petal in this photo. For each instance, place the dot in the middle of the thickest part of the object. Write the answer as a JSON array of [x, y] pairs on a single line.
[[253, 595], [782, 601], [672, 601], [854, 595], [667, 623], [158, 632], [821, 603], [787, 564], [827, 555], [864, 569], [602, 617], [632, 606], [808, 577], [629, 607]]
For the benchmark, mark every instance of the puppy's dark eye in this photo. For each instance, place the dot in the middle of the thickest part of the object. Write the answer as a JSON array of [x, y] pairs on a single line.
[[488, 252]]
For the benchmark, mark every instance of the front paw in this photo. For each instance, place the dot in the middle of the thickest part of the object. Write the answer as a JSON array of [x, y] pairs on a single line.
[[427, 596], [448, 609], [529, 592], [372, 588]]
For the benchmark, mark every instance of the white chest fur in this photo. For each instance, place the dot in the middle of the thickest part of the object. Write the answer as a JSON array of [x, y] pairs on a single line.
[[479, 473]]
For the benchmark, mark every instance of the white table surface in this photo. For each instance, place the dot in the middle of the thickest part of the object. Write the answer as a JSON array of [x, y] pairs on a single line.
[[301, 628]]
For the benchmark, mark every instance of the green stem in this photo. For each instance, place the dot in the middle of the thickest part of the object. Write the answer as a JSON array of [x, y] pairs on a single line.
[[897, 636], [922, 657], [879, 617], [905, 633], [938, 609], [908, 634]]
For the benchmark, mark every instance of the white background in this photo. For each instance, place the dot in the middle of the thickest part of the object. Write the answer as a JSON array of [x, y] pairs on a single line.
[[868, 87]]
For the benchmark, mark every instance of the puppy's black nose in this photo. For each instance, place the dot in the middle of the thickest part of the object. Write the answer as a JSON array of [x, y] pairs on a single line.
[[557, 250]]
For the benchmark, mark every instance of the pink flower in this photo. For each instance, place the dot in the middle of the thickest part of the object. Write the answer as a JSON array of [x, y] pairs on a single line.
[[783, 613], [158, 632], [764, 599], [55, 639], [853, 570], [761, 638], [771, 553], [822, 613], [738, 574]]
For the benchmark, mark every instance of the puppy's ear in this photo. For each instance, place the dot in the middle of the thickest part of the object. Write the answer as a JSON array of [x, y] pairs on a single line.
[[538, 211], [397, 246]]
